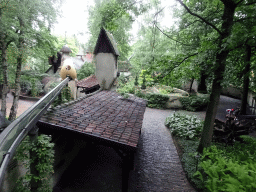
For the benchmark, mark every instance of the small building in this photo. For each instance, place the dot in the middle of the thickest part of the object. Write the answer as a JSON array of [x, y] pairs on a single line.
[[106, 54], [88, 85]]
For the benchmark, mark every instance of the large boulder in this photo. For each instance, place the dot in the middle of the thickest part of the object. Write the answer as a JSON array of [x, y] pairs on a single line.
[[174, 102]]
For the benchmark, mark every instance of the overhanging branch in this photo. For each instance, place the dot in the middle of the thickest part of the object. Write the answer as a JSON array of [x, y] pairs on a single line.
[[179, 63], [198, 16], [170, 37]]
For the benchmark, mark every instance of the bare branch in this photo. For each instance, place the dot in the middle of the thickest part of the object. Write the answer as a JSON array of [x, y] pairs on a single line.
[[159, 11], [179, 63], [187, 58], [207, 22], [171, 37]]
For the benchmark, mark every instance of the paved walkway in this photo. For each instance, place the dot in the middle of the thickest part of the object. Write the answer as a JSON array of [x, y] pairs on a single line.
[[23, 105], [158, 165]]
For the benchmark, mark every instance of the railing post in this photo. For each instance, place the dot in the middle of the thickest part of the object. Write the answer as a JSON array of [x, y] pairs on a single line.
[[33, 135]]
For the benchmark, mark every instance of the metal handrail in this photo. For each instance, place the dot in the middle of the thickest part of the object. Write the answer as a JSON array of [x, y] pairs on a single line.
[[12, 136]]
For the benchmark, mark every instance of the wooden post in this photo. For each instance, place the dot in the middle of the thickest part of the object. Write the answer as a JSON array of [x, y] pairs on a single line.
[[127, 166], [33, 134]]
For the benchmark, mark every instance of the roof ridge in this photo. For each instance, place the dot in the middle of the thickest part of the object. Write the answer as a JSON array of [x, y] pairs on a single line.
[[74, 101]]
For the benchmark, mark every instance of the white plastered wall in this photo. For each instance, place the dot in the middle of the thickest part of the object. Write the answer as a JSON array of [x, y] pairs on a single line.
[[106, 68]]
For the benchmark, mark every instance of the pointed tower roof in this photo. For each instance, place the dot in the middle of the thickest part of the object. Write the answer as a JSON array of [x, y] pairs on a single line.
[[106, 43]]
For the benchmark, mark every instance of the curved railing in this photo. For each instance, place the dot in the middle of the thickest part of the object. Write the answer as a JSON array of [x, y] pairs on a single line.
[[12, 135]]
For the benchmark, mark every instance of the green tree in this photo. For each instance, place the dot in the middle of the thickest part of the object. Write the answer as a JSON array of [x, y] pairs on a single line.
[[71, 42], [116, 16], [86, 70], [224, 32], [22, 23]]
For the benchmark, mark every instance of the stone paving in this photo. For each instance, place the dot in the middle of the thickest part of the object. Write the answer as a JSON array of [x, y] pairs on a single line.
[[158, 165], [23, 105]]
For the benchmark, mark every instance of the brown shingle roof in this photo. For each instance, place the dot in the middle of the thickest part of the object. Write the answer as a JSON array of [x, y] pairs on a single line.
[[65, 49], [88, 82], [105, 115]]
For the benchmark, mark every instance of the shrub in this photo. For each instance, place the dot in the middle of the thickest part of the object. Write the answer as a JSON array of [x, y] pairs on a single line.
[[230, 168], [190, 160], [25, 86], [126, 87], [156, 100], [86, 70], [44, 159], [143, 86], [36, 88], [31, 86], [195, 103], [165, 89], [122, 80], [136, 83], [144, 76], [184, 126], [64, 97]]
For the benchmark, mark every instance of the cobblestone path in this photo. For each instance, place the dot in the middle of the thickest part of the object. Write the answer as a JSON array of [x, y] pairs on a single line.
[[158, 166]]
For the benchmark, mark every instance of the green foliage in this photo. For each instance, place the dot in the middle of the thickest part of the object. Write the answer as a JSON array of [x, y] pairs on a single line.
[[190, 160], [71, 43], [194, 102], [25, 86], [31, 85], [164, 89], [184, 126], [64, 97], [115, 17], [126, 85], [230, 168], [136, 83], [86, 70], [66, 94], [156, 100], [145, 79], [143, 86], [44, 162]]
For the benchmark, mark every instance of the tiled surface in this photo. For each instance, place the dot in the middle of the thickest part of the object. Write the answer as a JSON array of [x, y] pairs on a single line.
[[88, 82], [105, 114]]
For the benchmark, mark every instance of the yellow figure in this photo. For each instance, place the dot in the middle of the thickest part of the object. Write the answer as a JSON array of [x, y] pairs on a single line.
[[68, 69]]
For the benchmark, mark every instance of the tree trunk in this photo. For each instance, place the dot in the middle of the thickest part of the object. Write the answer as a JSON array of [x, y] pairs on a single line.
[[228, 16], [246, 79], [202, 88], [191, 85], [5, 77], [15, 103]]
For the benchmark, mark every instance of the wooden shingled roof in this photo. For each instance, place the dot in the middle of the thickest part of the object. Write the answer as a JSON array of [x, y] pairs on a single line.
[[104, 115], [88, 82], [106, 43]]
